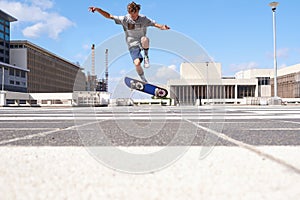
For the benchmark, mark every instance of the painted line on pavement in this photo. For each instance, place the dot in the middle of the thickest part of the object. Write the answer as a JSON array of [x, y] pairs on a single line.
[[43, 134], [247, 146]]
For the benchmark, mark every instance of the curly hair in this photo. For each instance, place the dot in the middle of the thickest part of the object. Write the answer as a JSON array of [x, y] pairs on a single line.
[[133, 7]]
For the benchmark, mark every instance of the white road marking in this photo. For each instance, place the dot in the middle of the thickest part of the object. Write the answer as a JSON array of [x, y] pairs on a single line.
[[26, 129], [43, 134], [273, 129], [247, 146]]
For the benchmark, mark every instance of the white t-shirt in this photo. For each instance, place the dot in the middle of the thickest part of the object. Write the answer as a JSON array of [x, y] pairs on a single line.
[[134, 30]]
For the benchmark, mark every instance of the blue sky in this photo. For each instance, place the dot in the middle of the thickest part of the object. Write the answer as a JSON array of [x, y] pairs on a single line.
[[236, 33]]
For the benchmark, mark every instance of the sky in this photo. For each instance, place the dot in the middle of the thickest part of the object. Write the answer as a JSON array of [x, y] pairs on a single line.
[[236, 33]]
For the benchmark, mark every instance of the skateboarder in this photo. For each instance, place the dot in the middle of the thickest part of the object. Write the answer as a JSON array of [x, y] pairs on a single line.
[[135, 27]]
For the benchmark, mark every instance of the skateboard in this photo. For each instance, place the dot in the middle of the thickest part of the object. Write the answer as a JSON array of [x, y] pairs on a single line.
[[146, 87]]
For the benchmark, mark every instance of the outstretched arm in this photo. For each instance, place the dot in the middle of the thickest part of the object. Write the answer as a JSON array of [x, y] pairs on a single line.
[[102, 12], [162, 27]]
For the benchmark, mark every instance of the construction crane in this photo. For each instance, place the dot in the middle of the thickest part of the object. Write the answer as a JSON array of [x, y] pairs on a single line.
[[106, 70], [93, 60]]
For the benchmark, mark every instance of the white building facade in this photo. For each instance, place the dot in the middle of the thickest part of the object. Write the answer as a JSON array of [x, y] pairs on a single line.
[[203, 82]]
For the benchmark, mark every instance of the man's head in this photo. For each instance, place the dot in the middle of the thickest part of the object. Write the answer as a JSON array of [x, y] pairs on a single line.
[[133, 9]]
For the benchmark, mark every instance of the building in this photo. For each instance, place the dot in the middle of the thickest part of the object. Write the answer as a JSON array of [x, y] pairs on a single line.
[[33, 76], [49, 73], [26, 67], [288, 82], [204, 81], [263, 77], [5, 20], [12, 77]]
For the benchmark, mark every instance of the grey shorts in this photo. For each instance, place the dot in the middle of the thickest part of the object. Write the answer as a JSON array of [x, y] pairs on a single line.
[[135, 53]]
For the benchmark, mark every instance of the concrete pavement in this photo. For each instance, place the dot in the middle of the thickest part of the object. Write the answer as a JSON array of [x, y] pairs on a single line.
[[242, 153]]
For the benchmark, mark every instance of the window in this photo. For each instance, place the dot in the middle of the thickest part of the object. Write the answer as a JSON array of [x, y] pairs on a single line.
[[7, 38], [246, 91], [17, 72], [11, 72], [263, 80], [23, 74]]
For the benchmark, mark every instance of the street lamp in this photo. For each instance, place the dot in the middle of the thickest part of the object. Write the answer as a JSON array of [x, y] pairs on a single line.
[[207, 81], [2, 93], [2, 87], [274, 5]]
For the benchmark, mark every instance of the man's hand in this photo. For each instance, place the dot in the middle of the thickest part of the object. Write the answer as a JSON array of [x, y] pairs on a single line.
[[165, 27], [102, 12], [92, 9], [162, 27]]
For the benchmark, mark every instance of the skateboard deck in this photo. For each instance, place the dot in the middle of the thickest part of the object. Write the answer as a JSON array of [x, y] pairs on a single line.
[[146, 87]]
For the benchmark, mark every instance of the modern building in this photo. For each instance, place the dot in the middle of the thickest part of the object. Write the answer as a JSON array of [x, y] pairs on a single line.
[[49, 73], [12, 77], [204, 81], [5, 20], [32, 76], [288, 82]]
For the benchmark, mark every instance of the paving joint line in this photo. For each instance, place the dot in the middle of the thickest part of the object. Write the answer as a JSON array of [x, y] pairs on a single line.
[[43, 134], [248, 147]]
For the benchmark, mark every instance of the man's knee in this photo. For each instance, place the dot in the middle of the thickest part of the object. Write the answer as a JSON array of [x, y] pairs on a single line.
[[145, 42], [137, 62]]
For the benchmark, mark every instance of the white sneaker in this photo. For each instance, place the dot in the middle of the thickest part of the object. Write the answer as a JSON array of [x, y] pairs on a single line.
[[146, 62]]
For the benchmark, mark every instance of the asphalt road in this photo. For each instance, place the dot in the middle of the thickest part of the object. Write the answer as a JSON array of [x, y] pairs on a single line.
[[150, 126], [243, 146]]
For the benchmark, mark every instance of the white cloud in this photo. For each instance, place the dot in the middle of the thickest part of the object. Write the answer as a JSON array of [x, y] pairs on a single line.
[[86, 46], [243, 66], [123, 72], [34, 31], [45, 4], [167, 72], [281, 53], [37, 17]]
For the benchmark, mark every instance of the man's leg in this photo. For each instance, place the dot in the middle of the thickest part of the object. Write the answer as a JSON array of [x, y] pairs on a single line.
[[137, 59], [145, 44], [139, 69]]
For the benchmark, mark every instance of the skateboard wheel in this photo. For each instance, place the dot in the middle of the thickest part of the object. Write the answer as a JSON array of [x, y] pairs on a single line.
[[160, 93], [139, 86]]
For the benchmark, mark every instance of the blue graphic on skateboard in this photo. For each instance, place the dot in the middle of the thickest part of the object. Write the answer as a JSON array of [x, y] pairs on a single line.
[[146, 87]]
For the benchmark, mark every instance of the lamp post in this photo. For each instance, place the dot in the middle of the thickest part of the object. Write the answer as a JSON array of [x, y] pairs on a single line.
[[2, 93], [2, 87], [274, 5], [207, 81]]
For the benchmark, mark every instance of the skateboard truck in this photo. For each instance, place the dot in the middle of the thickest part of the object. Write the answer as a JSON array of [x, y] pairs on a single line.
[[136, 85]]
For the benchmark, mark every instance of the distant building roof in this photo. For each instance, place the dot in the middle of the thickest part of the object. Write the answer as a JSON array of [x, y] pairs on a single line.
[[32, 45], [13, 66], [7, 17]]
